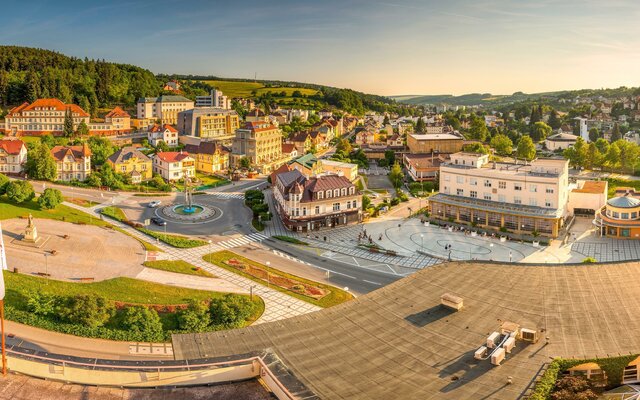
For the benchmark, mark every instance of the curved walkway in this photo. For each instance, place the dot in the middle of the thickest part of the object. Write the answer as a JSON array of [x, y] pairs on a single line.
[[277, 305]]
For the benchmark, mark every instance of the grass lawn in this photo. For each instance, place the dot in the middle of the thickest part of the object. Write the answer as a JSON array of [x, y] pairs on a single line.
[[114, 212], [289, 239], [61, 213], [81, 202], [335, 297], [178, 266], [207, 182]]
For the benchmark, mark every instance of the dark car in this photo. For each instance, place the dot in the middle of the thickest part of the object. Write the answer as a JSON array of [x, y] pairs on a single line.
[[158, 221]]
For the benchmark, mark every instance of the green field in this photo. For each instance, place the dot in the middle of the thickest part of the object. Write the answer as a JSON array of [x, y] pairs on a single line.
[[234, 89], [62, 213]]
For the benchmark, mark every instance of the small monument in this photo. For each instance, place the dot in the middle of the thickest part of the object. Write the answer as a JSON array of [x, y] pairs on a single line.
[[31, 232]]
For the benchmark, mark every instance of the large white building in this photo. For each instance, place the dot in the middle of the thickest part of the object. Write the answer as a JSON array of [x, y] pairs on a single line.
[[13, 156], [519, 198], [164, 108], [216, 99], [41, 117]]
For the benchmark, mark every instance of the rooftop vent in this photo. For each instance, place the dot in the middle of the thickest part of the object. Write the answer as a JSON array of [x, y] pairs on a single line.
[[451, 301]]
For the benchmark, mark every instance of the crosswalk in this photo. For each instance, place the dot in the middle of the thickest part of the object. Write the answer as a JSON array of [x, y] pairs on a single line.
[[241, 241], [225, 195], [287, 256]]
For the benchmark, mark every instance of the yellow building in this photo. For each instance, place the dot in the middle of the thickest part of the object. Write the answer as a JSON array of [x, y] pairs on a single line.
[[209, 122], [130, 161], [261, 143], [210, 157]]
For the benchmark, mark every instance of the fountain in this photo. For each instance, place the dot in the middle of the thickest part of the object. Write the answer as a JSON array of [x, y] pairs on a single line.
[[188, 211]]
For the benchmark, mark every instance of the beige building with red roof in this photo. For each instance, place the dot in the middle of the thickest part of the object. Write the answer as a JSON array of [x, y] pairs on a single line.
[[41, 117], [174, 165], [72, 162], [13, 155]]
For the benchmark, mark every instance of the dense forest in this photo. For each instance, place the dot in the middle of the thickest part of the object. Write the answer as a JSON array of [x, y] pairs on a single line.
[[27, 74]]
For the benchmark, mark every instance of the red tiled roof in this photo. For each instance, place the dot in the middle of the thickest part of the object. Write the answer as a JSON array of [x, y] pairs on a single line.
[[117, 112], [60, 152], [158, 128], [172, 156], [288, 148], [56, 104], [11, 146]]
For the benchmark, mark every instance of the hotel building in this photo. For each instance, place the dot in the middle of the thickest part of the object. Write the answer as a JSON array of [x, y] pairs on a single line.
[[164, 108]]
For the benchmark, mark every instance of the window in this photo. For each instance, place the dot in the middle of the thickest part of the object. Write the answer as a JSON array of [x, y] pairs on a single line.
[[517, 200], [328, 194], [473, 181], [549, 190], [533, 188], [348, 205], [460, 192], [354, 204], [517, 186], [501, 198], [625, 215], [317, 209], [320, 195], [547, 203], [616, 214], [336, 206], [487, 183], [459, 179], [634, 215], [473, 194], [487, 196], [502, 184], [304, 211], [533, 202]]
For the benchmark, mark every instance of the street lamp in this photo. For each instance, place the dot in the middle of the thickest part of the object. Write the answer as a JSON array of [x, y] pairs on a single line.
[[268, 263], [421, 242], [46, 266]]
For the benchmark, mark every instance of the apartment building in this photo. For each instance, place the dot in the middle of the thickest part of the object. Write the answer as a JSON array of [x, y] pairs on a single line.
[[132, 162], [434, 143], [209, 123], [216, 99], [41, 117], [516, 197], [210, 157], [163, 108], [13, 156], [261, 143], [306, 204], [72, 162], [174, 165]]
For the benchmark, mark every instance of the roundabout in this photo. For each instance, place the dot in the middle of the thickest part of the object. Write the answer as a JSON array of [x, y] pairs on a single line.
[[189, 214]]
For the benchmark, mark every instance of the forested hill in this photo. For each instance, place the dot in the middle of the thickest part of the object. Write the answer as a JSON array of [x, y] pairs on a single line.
[[27, 74]]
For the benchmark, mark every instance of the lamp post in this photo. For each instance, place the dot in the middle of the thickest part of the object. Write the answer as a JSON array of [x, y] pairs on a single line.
[[46, 266], [268, 263], [421, 242]]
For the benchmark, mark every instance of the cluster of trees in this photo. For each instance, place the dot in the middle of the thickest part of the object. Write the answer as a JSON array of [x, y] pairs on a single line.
[[230, 311], [346, 153], [619, 156], [254, 199], [22, 191], [27, 74]]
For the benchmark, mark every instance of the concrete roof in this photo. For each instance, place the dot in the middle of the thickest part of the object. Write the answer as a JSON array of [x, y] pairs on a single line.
[[398, 342]]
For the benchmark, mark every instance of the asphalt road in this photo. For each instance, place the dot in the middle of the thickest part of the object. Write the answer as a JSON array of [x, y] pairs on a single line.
[[357, 279]]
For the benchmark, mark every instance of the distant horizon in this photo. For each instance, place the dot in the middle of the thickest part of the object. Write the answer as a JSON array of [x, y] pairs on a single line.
[[384, 47]]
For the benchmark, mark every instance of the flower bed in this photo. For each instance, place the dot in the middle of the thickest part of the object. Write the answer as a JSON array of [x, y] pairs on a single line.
[[278, 280]]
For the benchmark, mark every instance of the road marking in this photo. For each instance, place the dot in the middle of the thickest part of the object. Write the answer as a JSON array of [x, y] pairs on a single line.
[[373, 283]]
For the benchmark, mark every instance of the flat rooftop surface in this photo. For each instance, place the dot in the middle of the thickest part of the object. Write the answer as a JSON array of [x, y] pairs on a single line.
[[20, 387], [398, 342]]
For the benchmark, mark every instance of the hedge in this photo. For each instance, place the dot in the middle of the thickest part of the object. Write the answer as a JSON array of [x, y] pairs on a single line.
[[290, 240], [182, 242]]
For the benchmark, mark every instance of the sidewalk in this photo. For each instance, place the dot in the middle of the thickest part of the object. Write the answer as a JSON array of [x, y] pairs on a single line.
[[277, 305]]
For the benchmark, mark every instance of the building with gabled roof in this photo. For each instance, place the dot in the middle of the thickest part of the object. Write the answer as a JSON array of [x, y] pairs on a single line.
[[174, 165], [73, 163], [132, 162], [162, 133], [310, 203], [41, 117], [211, 157], [13, 156], [163, 108]]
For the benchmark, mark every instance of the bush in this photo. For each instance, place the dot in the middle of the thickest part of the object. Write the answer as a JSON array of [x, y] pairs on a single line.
[[42, 304], [402, 196], [90, 310], [589, 260], [289, 239], [172, 240], [231, 311], [265, 216], [259, 209], [254, 195], [395, 201], [195, 318], [20, 191], [140, 319], [50, 199], [573, 388], [4, 181]]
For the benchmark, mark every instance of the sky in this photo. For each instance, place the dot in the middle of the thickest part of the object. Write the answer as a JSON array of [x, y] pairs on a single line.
[[387, 47]]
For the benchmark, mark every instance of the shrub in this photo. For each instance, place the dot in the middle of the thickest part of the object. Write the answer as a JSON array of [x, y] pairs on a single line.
[[90, 310], [573, 388], [4, 181], [20, 191], [141, 319], [395, 201], [589, 260], [260, 208], [254, 195], [50, 199], [195, 318], [289, 239], [231, 311], [42, 304], [265, 216]]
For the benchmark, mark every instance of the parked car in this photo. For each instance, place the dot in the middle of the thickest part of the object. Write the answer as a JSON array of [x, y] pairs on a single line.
[[154, 204], [158, 221]]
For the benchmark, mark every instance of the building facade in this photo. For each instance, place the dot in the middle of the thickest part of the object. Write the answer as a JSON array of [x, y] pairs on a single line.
[[434, 143], [13, 156], [43, 116], [211, 158], [216, 99], [165, 133], [209, 123], [560, 141], [307, 204], [174, 165], [72, 162], [163, 108], [132, 162], [620, 217], [423, 167], [261, 143], [523, 199]]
